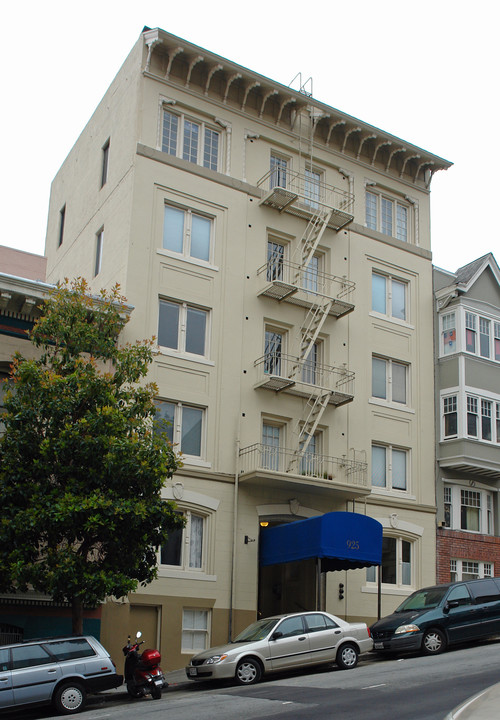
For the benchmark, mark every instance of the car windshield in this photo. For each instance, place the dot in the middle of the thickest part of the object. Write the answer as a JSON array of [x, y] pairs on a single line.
[[257, 630], [423, 600]]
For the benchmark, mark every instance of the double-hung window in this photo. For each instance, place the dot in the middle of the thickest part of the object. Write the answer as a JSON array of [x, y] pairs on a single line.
[[105, 163], [450, 416], [472, 416], [389, 467], [184, 547], [396, 567], [449, 333], [275, 260], [187, 232], [482, 336], [182, 327], [486, 419], [279, 171], [469, 570], [470, 332], [496, 341], [99, 241], [467, 509], [271, 446], [273, 352], [389, 296], [191, 140], [183, 425], [387, 215], [310, 275], [195, 630], [312, 188], [389, 380]]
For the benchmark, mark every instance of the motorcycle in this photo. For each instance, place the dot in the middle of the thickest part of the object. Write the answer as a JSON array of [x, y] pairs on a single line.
[[143, 674]]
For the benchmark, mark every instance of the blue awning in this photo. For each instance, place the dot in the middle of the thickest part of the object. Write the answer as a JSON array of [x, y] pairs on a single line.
[[342, 541]]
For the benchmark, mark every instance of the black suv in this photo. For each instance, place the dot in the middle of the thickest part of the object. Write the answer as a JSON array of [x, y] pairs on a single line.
[[435, 617], [61, 671]]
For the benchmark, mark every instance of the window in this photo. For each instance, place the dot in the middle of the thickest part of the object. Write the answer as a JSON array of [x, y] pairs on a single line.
[[309, 462], [449, 333], [497, 421], [275, 259], [311, 274], [389, 380], [182, 327], [389, 467], [312, 187], [386, 215], [30, 656], [62, 219], [271, 441], [472, 419], [450, 416], [190, 140], [194, 630], [396, 563], [185, 546], [484, 337], [183, 425], [468, 509], [105, 160], [273, 352], [486, 427], [389, 296], [279, 167], [99, 238], [310, 370], [470, 332], [469, 570], [496, 340], [187, 233]]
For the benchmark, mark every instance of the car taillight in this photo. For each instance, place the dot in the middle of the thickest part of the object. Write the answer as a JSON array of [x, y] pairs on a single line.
[[369, 632]]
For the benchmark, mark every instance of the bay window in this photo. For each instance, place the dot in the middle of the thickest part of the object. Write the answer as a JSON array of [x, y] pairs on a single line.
[[468, 509], [449, 333]]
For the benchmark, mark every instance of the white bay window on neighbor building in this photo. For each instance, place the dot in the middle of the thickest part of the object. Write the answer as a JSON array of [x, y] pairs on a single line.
[[191, 139], [468, 509], [387, 215], [470, 416], [389, 468], [187, 233], [182, 327], [389, 380], [389, 296], [183, 425], [396, 567]]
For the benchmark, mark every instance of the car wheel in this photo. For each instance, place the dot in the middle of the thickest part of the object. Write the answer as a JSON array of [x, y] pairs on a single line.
[[433, 642], [70, 698], [248, 672], [347, 656]]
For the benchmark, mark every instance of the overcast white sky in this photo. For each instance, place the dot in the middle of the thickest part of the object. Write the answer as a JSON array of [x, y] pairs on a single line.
[[425, 71]]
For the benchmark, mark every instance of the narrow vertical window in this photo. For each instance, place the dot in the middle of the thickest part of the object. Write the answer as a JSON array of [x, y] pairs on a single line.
[[484, 337], [496, 341], [379, 293], [170, 133], [450, 416], [387, 207], [486, 419], [98, 251], [379, 466], [398, 299], [379, 385], [470, 332], [472, 418], [62, 218], [275, 260], [497, 422], [271, 447], [401, 223], [449, 334], [273, 352], [105, 160], [447, 507], [371, 211], [278, 171]]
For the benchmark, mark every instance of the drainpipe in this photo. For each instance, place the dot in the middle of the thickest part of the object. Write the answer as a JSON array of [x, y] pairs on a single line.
[[235, 528]]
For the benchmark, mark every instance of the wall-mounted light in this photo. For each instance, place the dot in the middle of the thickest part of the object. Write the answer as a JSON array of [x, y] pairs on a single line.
[[248, 539], [263, 523]]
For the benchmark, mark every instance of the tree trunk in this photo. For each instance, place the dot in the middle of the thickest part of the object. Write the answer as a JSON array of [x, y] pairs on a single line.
[[77, 616]]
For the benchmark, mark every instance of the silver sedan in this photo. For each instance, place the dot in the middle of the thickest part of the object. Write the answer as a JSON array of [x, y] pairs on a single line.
[[280, 643]]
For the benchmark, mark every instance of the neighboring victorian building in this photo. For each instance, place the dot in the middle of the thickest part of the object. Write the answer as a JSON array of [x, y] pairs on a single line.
[[468, 420], [279, 250]]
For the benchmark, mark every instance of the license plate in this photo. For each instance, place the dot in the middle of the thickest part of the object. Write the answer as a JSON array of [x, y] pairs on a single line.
[[193, 671], [159, 682], [378, 645]]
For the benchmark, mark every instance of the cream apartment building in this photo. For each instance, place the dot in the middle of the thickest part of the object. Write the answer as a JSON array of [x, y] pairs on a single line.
[[279, 250]]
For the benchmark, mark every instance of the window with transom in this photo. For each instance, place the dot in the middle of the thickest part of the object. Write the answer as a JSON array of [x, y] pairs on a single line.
[[191, 139]]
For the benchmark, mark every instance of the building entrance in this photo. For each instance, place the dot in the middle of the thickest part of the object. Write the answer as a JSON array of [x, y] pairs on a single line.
[[287, 587]]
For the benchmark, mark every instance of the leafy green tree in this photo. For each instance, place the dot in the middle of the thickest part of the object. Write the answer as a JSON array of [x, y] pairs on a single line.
[[82, 466]]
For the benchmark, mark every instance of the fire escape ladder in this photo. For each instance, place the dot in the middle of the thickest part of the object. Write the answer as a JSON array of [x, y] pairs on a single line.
[[314, 410], [310, 240]]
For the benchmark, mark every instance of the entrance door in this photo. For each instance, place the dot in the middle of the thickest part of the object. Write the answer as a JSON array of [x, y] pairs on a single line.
[[145, 618], [287, 588]]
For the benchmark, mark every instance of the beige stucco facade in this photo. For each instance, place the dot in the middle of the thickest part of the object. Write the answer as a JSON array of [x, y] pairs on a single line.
[[243, 392]]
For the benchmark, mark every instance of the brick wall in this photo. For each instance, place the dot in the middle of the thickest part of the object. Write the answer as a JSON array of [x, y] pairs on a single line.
[[464, 546]]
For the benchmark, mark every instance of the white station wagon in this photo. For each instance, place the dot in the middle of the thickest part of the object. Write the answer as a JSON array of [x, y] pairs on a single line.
[[283, 642]]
